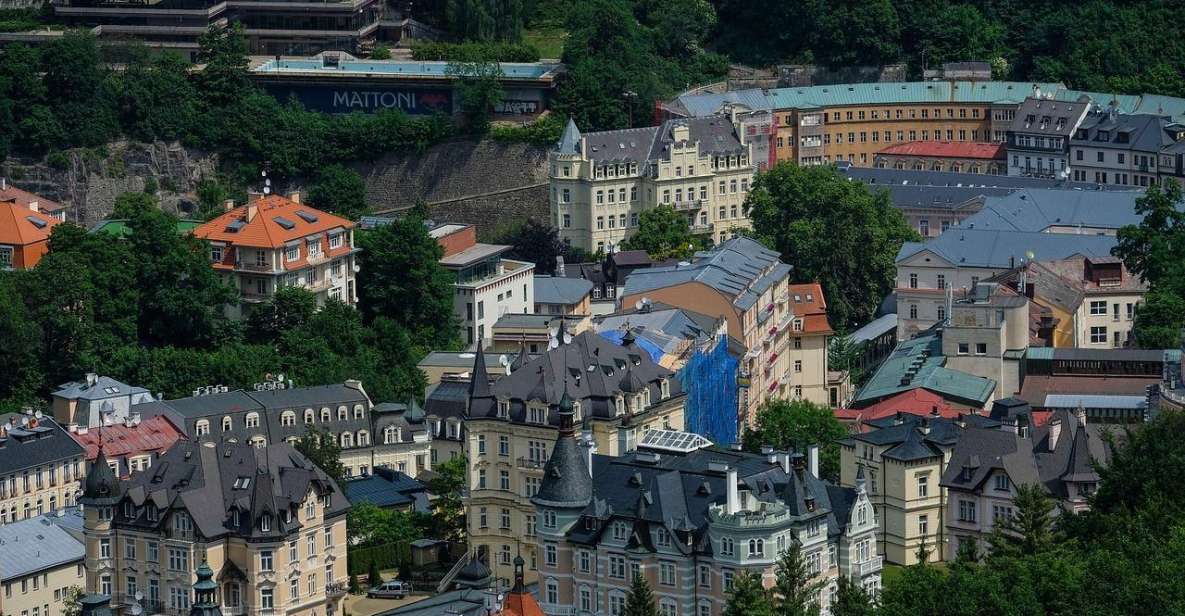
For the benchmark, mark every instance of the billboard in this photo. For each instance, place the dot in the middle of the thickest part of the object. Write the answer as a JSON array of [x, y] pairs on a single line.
[[369, 98]]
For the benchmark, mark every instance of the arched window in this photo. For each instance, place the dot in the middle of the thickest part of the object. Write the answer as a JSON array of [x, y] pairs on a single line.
[[389, 435], [363, 438], [343, 413], [309, 416], [347, 439], [252, 420], [202, 427], [325, 414], [359, 411], [227, 424], [258, 442], [620, 405], [288, 418]]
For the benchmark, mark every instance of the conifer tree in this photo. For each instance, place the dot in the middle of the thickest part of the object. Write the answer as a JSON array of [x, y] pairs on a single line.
[[748, 597], [640, 601], [795, 589]]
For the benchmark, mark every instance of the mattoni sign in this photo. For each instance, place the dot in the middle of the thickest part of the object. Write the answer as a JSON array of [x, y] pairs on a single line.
[[339, 99]]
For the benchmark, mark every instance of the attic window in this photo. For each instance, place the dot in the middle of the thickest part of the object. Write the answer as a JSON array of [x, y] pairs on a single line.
[[307, 216], [284, 222], [265, 523], [234, 226], [241, 483], [36, 222]]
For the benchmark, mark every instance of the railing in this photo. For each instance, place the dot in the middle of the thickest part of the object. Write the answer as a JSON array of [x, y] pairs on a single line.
[[692, 204], [872, 565], [335, 589], [702, 228], [254, 267], [531, 463]]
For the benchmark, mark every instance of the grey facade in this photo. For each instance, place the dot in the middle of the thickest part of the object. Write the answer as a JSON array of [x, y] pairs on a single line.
[[1123, 150], [1039, 136]]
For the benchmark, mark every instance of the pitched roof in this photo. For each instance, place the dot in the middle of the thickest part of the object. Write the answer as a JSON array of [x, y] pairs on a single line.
[[997, 248], [714, 135], [561, 290], [947, 149], [919, 363], [918, 401], [570, 139], [1101, 129], [103, 387], [24, 198], [33, 443], [1038, 210], [276, 220], [154, 434], [807, 302], [387, 488], [37, 544], [1044, 116], [740, 268], [20, 226], [874, 329]]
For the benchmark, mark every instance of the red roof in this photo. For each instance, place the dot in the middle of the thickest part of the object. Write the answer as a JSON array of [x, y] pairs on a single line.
[[153, 435], [25, 199], [256, 224], [948, 149], [20, 226], [520, 603], [807, 302], [914, 401]]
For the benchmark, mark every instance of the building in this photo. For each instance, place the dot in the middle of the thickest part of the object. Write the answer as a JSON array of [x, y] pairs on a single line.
[[95, 399], [1114, 148], [1108, 383], [688, 517], [487, 285], [875, 340], [608, 276], [30, 201], [389, 489], [40, 467], [369, 435], [954, 156], [670, 335], [987, 334], [920, 402], [268, 521], [335, 82], [41, 559], [24, 234], [510, 426], [274, 242], [131, 445], [783, 326], [902, 460], [563, 295], [919, 363], [514, 333], [1039, 137], [989, 463], [602, 182]]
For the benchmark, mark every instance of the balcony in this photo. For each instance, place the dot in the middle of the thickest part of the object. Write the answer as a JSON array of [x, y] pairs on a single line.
[[702, 227], [689, 204], [254, 266], [870, 566], [334, 590], [531, 464]]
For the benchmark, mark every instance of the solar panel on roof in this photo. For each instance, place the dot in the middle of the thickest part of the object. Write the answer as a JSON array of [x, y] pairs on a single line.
[[307, 216], [37, 222], [284, 222]]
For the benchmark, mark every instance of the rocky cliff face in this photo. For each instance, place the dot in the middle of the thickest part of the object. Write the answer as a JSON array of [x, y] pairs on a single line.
[[88, 181]]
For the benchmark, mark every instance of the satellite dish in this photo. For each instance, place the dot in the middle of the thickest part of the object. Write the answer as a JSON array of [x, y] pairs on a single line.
[[567, 338], [37, 414], [553, 343], [504, 360], [1029, 255], [638, 304]]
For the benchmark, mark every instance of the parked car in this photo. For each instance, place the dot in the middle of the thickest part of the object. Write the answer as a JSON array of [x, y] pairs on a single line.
[[393, 589]]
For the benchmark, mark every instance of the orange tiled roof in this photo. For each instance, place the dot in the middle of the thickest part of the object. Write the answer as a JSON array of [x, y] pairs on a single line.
[[24, 198], [812, 311], [947, 149], [263, 230], [17, 226], [520, 603]]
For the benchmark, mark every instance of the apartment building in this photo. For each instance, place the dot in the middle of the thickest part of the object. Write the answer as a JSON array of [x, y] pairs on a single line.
[[95, 400], [274, 242], [902, 459], [369, 435], [271, 523], [1039, 137], [783, 326], [40, 467], [24, 234], [30, 201], [563, 296], [987, 334], [989, 463], [602, 182], [131, 445], [688, 517], [618, 394], [954, 156], [488, 285], [919, 363], [41, 560], [1110, 147]]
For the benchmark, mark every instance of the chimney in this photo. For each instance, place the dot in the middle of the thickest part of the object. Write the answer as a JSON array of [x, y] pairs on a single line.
[[784, 460], [91, 379], [559, 265], [294, 196], [925, 427], [798, 461], [252, 210], [1055, 431], [934, 411], [33, 205], [354, 384], [1080, 415], [228, 205], [3, 183], [590, 447], [812, 456], [733, 502]]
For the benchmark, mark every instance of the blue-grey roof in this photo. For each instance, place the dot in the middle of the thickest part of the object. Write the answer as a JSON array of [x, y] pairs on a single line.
[[26, 446], [561, 290], [1038, 210], [874, 329], [740, 268], [1100, 129], [570, 140], [919, 363], [386, 488], [998, 248], [104, 387], [886, 177], [38, 544], [1094, 401]]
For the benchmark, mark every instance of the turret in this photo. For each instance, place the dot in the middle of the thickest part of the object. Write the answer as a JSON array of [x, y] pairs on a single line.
[[567, 483], [205, 593]]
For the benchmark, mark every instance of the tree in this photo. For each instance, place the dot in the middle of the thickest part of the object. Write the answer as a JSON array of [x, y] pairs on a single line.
[[370, 525], [289, 308], [831, 230], [795, 587], [1155, 248], [480, 89], [155, 98], [400, 277], [373, 578], [845, 355], [795, 425], [537, 242], [1159, 321], [224, 81], [355, 587], [748, 597], [21, 351], [663, 233], [640, 601], [340, 190], [380, 52], [72, 601], [76, 78], [321, 448], [851, 599], [1030, 530], [447, 485]]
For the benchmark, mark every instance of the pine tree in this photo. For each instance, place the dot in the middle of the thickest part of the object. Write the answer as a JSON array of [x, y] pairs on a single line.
[[374, 578], [748, 597], [795, 588], [640, 601], [1030, 530], [851, 599]]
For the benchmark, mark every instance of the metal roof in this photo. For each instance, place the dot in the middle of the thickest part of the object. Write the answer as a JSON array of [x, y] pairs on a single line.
[[37, 544], [1094, 401], [1038, 210], [921, 361], [561, 290], [673, 440], [997, 248], [740, 268], [874, 329]]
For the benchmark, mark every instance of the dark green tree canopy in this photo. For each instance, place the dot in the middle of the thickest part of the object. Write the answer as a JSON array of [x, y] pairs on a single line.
[[340, 190], [663, 233], [797, 424]]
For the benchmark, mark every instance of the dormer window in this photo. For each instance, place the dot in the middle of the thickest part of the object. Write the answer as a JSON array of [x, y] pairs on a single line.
[[129, 510], [503, 409], [620, 405], [576, 410], [265, 523], [665, 388], [234, 518], [152, 513], [537, 414], [227, 424]]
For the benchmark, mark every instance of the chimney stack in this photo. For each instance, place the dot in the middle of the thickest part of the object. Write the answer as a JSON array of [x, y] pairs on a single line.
[[590, 447], [228, 205], [252, 210], [784, 460], [733, 502], [1080, 415], [294, 196], [34, 206], [812, 454], [559, 266], [1055, 431]]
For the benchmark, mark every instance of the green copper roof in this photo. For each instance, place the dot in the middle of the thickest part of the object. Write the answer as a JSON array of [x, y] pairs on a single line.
[[922, 361], [119, 226]]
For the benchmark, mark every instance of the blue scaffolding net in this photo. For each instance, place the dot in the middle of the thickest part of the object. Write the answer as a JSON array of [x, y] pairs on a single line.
[[710, 380]]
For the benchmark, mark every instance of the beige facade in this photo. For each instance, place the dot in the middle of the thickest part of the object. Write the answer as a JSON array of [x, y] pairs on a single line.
[[43, 593], [987, 335], [40, 581], [47, 477], [602, 182]]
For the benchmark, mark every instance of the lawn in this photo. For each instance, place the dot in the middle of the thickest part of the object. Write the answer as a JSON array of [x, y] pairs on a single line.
[[549, 40]]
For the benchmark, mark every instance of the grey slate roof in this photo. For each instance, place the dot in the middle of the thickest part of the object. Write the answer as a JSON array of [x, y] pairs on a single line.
[[1038, 210], [104, 387], [1043, 116], [913, 437], [938, 179], [999, 248], [206, 481], [570, 140], [740, 268], [386, 487], [1101, 129], [22, 446], [37, 544], [561, 290], [715, 135], [566, 478]]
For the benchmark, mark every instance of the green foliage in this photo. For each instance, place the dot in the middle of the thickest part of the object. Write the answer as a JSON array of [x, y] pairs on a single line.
[[370, 525], [640, 601], [400, 278], [544, 131], [339, 190], [380, 52], [663, 233], [447, 485], [355, 587], [224, 81], [537, 242], [797, 424], [473, 51], [851, 599], [72, 601], [845, 355], [321, 448], [1030, 530], [1155, 251], [479, 89], [831, 230], [795, 587], [486, 20], [289, 308], [748, 597], [21, 350], [373, 578]]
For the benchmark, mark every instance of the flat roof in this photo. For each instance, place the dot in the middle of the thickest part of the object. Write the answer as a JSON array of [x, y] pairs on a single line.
[[473, 254], [396, 68], [1094, 401]]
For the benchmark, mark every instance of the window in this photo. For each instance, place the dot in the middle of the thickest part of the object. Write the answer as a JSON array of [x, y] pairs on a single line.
[[1000, 512], [727, 548], [981, 348], [311, 544], [923, 525], [504, 480], [504, 445], [266, 600], [1002, 483], [756, 547], [616, 604], [941, 281], [967, 511], [913, 281], [481, 444], [482, 519], [964, 348], [548, 519], [1098, 335], [104, 548], [294, 588], [585, 599], [265, 560], [293, 556], [923, 485], [584, 561], [252, 420], [504, 519], [179, 559], [617, 567], [1098, 308], [704, 576]]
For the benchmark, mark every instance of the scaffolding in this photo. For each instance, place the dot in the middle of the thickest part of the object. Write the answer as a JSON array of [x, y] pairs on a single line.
[[710, 381]]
